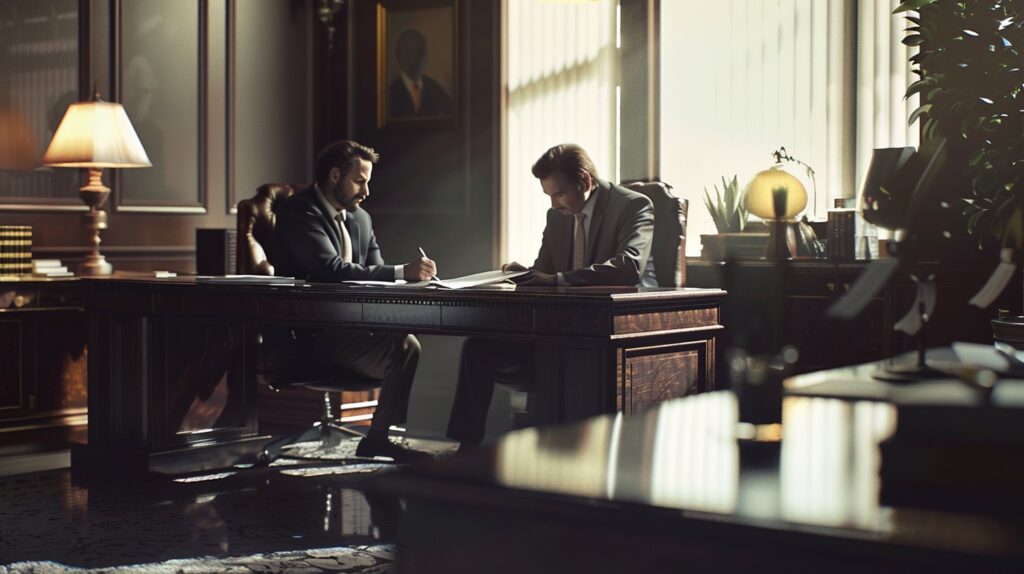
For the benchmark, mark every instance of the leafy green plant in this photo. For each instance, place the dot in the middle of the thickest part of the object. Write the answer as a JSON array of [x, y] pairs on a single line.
[[726, 207], [972, 92]]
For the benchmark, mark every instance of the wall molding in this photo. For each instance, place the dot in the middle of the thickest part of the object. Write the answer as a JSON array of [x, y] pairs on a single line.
[[202, 185]]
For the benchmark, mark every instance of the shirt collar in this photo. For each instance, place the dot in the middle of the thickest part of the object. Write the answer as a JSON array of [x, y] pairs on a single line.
[[588, 207], [331, 211], [409, 82]]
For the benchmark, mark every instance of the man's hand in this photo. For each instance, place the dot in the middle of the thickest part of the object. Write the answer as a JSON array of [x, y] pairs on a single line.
[[512, 267], [421, 269], [537, 279]]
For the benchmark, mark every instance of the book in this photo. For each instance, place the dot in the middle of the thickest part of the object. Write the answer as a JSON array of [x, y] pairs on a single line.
[[15, 250], [55, 272]]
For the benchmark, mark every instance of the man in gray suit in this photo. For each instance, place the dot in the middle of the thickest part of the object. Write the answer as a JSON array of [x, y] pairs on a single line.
[[323, 235], [597, 233]]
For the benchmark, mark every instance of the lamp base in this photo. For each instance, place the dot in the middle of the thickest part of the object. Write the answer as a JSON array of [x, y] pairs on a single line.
[[781, 240], [95, 264]]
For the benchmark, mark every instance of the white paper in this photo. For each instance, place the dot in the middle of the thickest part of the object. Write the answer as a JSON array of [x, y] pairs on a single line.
[[248, 279], [474, 280]]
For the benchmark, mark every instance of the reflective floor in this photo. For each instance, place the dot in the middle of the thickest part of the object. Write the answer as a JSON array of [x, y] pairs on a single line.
[[95, 522]]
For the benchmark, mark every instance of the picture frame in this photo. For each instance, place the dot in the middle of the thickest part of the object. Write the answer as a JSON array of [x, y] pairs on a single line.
[[417, 64]]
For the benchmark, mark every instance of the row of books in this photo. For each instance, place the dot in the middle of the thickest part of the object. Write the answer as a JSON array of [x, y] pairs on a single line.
[[15, 249]]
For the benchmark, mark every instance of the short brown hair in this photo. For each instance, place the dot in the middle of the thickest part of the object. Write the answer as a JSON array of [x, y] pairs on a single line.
[[569, 160], [342, 154]]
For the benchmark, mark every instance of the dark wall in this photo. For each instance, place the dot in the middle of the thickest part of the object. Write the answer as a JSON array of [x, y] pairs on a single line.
[[434, 187], [257, 128]]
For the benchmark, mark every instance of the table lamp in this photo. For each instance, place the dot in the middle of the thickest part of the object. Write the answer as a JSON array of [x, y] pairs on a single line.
[[776, 196], [95, 135]]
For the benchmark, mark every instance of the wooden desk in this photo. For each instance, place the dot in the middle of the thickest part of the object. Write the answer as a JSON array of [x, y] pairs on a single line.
[[674, 490], [172, 369]]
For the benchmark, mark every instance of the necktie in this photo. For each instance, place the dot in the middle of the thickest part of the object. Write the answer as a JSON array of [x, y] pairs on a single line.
[[579, 242], [346, 239], [416, 91]]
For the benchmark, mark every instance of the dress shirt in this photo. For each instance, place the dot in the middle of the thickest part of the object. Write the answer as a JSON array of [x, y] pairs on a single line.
[[415, 88], [339, 217]]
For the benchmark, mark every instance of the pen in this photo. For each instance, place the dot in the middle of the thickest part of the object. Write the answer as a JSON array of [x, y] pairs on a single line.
[[424, 254]]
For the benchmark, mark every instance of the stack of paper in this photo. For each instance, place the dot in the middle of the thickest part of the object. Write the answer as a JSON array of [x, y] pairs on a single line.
[[475, 280], [248, 279], [50, 268]]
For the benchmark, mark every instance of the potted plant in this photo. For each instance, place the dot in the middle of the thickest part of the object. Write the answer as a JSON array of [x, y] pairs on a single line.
[[972, 93], [730, 217]]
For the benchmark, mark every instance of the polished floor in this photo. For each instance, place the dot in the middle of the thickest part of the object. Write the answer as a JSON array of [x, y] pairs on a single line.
[[55, 516]]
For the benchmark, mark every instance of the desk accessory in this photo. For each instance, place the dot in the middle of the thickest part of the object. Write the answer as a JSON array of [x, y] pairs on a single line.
[[95, 135]]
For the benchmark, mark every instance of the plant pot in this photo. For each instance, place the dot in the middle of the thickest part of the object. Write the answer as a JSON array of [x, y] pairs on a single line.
[[1009, 330], [722, 246]]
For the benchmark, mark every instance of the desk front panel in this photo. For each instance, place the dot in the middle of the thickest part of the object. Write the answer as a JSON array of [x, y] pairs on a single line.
[[174, 362]]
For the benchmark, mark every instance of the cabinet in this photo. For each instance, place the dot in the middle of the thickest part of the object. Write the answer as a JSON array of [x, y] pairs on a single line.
[[42, 365], [810, 288]]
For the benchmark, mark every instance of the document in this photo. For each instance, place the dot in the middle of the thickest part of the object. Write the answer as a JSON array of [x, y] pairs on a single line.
[[475, 280], [248, 279]]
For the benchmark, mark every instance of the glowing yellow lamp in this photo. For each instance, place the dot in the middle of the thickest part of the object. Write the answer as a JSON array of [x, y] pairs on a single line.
[[776, 196]]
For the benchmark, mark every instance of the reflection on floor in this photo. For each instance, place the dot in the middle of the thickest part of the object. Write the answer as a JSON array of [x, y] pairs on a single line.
[[288, 508]]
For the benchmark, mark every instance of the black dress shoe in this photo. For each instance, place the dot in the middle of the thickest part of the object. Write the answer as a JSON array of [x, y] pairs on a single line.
[[371, 448]]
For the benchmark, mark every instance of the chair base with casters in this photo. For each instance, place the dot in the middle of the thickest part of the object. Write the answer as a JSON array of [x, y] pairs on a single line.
[[326, 430]]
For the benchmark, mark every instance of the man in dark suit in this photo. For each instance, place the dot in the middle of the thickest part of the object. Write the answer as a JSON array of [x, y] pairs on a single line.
[[414, 94], [323, 235], [597, 233]]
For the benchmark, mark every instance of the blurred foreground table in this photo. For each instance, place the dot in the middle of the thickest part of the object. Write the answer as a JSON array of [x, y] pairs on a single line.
[[675, 489]]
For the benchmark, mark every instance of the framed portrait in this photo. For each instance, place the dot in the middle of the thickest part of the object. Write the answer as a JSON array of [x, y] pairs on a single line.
[[417, 63]]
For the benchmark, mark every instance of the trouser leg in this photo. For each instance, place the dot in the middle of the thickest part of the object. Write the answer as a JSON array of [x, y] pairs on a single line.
[[482, 364], [393, 358]]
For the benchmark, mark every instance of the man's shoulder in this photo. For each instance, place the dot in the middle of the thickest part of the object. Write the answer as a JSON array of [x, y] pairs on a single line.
[[301, 201], [360, 216], [624, 196]]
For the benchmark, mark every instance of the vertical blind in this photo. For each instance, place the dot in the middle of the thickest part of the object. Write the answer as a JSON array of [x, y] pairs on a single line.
[[561, 88], [741, 78]]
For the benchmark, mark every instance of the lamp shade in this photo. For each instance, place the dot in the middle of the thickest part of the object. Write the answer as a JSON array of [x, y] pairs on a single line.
[[775, 194], [96, 134]]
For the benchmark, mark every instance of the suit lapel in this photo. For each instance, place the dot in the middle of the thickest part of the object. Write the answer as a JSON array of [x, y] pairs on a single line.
[[600, 203], [324, 212]]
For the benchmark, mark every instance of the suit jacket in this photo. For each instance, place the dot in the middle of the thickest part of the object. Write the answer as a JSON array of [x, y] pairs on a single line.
[[307, 244], [434, 101], [619, 244]]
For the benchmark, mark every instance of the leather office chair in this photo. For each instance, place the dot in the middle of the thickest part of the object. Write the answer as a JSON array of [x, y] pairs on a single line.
[[289, 366], [667, 264]]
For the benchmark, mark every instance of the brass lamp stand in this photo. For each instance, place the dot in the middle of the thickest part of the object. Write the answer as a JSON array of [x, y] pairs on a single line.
[[95, 135], [94, 194]]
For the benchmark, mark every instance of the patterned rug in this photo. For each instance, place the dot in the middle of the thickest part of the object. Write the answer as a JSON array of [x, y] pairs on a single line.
[[361, 559]]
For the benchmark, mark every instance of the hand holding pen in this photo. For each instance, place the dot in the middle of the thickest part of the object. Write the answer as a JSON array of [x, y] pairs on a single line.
[[422, 269]]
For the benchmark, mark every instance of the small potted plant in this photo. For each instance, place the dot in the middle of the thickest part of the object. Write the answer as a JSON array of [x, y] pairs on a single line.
[[730, 217]]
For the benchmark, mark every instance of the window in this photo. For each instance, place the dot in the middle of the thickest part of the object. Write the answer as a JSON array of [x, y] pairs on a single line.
[[740, 78], [561, 88]]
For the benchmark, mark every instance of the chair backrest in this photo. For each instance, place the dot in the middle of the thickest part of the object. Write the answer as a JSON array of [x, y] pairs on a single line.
[[667, 265], [255, 224]]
